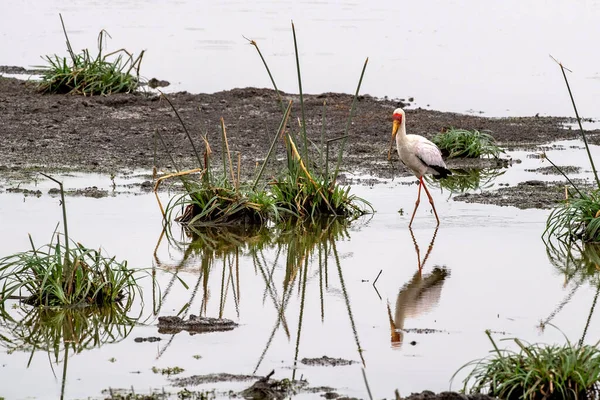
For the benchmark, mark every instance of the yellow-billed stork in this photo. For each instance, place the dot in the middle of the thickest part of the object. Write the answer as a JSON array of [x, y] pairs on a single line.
[[420, 155]]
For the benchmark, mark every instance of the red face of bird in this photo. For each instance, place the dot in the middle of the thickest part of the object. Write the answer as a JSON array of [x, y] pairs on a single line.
[[397, 117]]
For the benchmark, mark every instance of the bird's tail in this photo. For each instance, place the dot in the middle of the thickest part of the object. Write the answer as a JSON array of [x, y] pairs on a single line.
[[440, 172]]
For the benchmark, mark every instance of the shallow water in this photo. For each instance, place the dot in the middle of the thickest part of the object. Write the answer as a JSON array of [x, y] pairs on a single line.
[[499, 277], [453, 56]]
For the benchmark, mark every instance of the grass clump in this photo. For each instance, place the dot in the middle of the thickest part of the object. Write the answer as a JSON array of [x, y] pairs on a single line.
[[462, 143], [87, 74], [578, 216], [537, 371], [60, 275], [306, 188], [65, 273]]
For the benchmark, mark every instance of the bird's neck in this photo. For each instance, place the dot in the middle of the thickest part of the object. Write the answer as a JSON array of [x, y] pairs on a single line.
[[401, 135]]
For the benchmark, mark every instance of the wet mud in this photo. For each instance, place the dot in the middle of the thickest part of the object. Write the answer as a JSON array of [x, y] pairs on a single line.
[[116, 133], [528, 194], [195, 324], [326, 361], [427, 395]]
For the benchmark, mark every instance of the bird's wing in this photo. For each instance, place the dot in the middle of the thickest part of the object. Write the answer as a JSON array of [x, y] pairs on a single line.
[[429, 153]]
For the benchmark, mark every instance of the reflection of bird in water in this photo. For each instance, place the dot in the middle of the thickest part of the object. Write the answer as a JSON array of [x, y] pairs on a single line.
[[420, 155], [419, 296]]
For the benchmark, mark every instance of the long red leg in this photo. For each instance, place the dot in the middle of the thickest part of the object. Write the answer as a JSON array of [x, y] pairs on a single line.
[[416, 203], [430, 201]]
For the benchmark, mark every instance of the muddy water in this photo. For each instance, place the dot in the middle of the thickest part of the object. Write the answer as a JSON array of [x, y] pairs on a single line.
[[487, 269], [464, 57]]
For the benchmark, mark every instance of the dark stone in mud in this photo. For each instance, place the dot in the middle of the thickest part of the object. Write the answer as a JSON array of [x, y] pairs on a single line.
[[150, 339], [428, 395], [267, 388], [326, 361], [195, 324], [154, 83]]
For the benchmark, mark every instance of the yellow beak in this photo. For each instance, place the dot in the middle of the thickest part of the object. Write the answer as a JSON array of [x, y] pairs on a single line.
[[395, 126]]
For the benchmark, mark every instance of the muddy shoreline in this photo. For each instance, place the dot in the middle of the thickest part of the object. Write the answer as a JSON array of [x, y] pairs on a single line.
[[109, 134], [118, 133]]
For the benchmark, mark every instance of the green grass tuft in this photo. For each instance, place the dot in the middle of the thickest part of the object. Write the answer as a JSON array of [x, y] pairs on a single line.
[[87, 74], [66, 273], [577, 218], [57, 275], [537, 371], [456, 143]]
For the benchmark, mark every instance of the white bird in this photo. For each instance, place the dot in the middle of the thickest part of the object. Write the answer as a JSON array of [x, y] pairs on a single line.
[[420, 155]]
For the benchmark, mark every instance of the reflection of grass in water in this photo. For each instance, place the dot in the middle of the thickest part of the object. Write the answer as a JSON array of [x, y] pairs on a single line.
[[463, 180], [576, 262], [579, 264], [298, 245], [60, 330], [49, 329]]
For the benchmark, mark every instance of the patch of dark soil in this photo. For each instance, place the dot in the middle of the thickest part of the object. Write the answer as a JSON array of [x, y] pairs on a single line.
[[108, 134], [150, 339], [550, 170], [26, 192], [428, 395], [529, 194], [195, 324], [12, 69], [87, 192], [196, 380], [326, 361], [425, 331]]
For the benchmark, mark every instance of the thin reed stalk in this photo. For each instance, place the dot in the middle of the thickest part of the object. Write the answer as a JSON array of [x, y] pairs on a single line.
[[587, 147], [253, 43], [349, 121], [280, 131], [303, 127]]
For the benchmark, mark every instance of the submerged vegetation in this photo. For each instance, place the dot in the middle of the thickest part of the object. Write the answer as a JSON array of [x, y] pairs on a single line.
[[65, 272], [87, 74], [456, 143], [537, 371], [305, 189]]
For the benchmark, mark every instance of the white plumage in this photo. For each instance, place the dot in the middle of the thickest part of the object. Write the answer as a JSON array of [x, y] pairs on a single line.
[[420, 155]]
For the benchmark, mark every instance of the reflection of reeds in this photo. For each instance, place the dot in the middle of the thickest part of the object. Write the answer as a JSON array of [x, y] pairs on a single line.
[[49, 329], [578, 264], [298, 246], [61, 330]]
